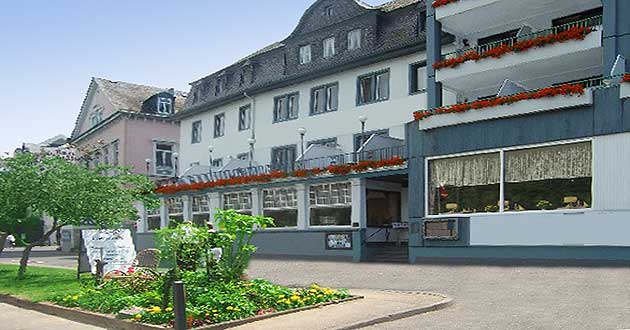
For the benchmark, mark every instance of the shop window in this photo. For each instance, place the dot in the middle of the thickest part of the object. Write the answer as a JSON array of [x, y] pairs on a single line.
[[200, 210], [154, 221], [467, 184], [549, 178], [240, 202], [175, 208], [330, 204], [281, 205]]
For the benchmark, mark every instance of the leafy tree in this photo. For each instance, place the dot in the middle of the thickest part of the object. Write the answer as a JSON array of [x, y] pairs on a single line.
[[71, 194]]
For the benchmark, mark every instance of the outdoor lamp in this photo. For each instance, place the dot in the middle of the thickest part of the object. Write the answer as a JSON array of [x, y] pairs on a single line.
[[302, 132], [176, 158], [148, 162], [251, 142], [362, 119]]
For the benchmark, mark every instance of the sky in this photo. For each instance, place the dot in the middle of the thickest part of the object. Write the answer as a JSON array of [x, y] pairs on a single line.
[[49, 51]]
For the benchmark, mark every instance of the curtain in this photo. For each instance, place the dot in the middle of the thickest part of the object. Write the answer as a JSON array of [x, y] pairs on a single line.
[[568, 161], [477, 170]]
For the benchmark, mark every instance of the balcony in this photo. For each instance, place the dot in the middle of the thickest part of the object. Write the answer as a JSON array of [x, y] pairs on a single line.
[[560, 96], [565, 52], [466, 17]]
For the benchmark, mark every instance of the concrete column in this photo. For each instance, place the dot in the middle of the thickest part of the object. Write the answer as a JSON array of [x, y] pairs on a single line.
[[142, 216], [303, 206], [187, 205], [434, 54], [163, 213], [214, 203], [359, 203], [616, 38], [256, 202]]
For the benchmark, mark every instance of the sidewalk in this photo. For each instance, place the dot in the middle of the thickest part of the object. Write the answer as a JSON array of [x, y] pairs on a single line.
[[14, 318], [377, 307]]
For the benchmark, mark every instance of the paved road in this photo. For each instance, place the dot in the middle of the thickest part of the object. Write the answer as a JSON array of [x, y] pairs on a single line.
[[13, 318], [486, 297]]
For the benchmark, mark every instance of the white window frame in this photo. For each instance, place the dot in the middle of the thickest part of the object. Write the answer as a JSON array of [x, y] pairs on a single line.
[[155, 213], [239, 196], [245, 117], [345, 204], [355, 39], [501, 152], [166, 153], [167, 102], [96, 117], [219, 130], [305, 54], [198, 124], [180, 200], [281, 208], [329, 47]]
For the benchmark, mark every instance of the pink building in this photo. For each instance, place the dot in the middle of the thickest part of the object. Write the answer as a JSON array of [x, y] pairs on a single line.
[[124, 124]]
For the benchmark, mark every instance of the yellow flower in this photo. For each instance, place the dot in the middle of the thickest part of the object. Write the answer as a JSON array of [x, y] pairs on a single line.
[[207, 314], [312, 291], [154, 310], [138, 316], [230, 308], [294, 298], [215, 311], [236, 309], [281, 296], [168, 309], [75, 297]]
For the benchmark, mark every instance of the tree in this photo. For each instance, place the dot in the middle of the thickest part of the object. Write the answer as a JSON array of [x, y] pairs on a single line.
[[71, 194]]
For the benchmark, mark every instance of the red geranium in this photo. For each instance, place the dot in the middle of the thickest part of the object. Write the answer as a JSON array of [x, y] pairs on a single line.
[[626, 78], [440, 3]]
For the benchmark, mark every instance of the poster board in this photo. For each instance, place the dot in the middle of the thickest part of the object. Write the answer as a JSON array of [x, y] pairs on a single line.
[[113, 246]]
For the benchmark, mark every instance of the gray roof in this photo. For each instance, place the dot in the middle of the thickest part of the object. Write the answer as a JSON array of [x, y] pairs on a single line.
[[129, 97], [397, 4]]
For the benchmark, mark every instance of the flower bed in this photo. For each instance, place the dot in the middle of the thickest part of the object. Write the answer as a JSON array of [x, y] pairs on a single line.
[[575, 33], [362, 166], [568, 89], [440, 3]]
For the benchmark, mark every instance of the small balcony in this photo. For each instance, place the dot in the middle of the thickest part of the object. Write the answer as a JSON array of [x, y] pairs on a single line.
[[564, 52], [556, 97], [463, 17]]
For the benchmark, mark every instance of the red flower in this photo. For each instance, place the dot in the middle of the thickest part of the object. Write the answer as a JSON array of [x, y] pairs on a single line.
[[439, 3], [626, 78]]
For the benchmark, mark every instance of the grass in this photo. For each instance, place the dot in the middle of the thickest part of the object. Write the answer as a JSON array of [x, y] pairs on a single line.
[[40, 284]]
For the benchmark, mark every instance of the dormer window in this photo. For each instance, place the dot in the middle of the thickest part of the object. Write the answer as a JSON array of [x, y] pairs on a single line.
[[165, 105], [97, 115], [329, 11], [305, 54], [329, 47], [354, 39]]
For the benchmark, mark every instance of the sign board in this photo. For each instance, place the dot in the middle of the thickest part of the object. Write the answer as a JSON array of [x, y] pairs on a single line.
[[441, 229], [338, 241], [115, 247]]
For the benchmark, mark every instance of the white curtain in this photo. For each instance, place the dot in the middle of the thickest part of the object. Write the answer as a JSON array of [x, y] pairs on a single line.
[[477, 170], [567, 161]]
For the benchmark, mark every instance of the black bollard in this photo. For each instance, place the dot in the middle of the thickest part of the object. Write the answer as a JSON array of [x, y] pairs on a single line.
[[179, 305]]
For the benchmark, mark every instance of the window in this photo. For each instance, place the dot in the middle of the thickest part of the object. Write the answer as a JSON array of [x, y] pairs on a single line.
[[496, 40], [219, 125], [330, 204], [97, 115], [164, 164], [324, 99], [239, 202], [175, 210], [283, 158], [200, 210], [154, 219], [286, 107], [383, 208], [115, 153], [329, 47], [540, 178], [243, 156], [106, 156], [574, 18], [196, 132], [281, 205], [354, 39], [418, 77], [331, 143], [217, 163], [165, 105], [329, 11], [305, 54], [373, 87], [245, 117]]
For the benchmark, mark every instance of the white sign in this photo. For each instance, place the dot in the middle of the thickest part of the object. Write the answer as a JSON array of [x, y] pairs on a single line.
[[115, 247]]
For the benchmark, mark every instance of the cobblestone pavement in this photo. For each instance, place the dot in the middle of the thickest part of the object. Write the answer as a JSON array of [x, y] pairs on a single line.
[[486, 297]]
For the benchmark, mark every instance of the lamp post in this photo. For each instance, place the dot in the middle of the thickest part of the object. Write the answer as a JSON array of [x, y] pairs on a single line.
[[210, 150], [251, 142], [302, 132], [148, 163], [362, 119], [175, 163]]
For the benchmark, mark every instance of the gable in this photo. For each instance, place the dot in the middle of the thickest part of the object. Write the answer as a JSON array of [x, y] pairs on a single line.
[[316, 18], [96, 100]]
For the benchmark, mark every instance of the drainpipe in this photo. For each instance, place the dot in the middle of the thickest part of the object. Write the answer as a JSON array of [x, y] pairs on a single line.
[[252, 125]]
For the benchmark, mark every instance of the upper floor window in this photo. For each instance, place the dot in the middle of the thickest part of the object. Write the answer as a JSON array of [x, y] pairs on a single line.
[[217, 163], [330, 143], [354, 39], [373, 87], [245, 117], [243, 156], [115, 153], [329, 47], [97, 115], [164, 164], [283, 158], [106, 156], [286, 107], [305, 54], [418, 77], [219, 125], [329, 11], [196, 132], [165, 105], [324, 99]]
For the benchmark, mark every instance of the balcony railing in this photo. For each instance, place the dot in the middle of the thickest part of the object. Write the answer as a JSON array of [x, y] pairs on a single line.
[[592, 22], [354, 157]]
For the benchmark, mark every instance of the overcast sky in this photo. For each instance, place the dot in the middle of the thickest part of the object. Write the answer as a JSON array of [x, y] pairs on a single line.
[[49, 50]]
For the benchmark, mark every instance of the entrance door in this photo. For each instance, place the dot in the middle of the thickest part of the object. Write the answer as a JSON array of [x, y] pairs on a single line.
[[383, 209]]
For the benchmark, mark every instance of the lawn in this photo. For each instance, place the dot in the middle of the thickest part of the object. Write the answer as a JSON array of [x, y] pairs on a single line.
[[40, 284]]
